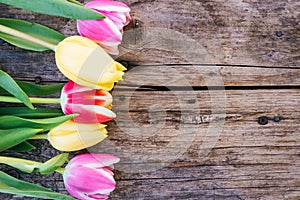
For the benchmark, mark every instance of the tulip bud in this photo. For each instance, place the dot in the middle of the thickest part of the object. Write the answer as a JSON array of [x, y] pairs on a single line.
[[91, 105], [84, 62], [89, 176], [106, 32], [72, 136]]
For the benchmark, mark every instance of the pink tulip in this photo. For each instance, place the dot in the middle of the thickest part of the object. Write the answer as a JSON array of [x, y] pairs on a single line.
[[92, 105], [107, 32], [89, 176]]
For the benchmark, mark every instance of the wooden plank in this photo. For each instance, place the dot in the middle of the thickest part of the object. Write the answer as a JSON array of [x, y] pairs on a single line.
[[248, 160], [177, 137], [161, 116], [205, 189], [209, 75], [244, 104], [233, 32], [43, 69]]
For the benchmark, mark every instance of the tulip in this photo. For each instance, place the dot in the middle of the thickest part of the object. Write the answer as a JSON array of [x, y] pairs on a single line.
[[91, 105], [106, 32], [73, 136], [87, 64], [89, 176]]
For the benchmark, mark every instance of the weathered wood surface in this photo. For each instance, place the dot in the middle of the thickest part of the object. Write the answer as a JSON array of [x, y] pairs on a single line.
[[192, 75], [234, 32], [179, 134]]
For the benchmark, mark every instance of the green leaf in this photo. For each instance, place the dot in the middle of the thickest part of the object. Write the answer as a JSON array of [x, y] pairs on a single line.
[[30, 166], [35, 30], [32, 114], [22, 147], [41, 90], [11, 185], [38, 90], [76, 2], [8, 83], [24, 44], [61, 8], [15, 136], [52, 164], [23, 165], [10, 122]]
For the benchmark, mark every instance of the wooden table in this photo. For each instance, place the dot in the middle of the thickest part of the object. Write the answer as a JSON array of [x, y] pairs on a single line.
[[200, 75]]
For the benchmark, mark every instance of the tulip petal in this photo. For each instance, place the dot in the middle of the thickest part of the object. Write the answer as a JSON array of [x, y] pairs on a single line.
[[95, 160], [93, 106], [84, 182], [115, 72], [91, 179], [118, 18], [83, 61], [98, 196], [107, 32], [76, 94], [104, 32], [87, 177], [108, 5], [92, 97], [71, 136], [90, 113], [71, 87]]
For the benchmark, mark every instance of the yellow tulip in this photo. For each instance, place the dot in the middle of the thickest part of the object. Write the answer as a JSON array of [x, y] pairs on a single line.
[[86, 63], [73, 136]]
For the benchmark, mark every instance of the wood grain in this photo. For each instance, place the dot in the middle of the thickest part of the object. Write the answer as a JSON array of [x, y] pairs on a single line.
[[233, 32], [165, 75], [248, 160], [157, 115], [200, 74]]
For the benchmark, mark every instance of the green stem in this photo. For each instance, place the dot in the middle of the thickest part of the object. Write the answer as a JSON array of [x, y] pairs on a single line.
[[27, 37], [27, 166], [60, 170], [39, 136], [9, 99], [75, 2], [24, 165]]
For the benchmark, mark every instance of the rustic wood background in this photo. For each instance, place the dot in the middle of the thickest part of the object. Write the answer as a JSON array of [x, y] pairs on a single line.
[[196, 68]]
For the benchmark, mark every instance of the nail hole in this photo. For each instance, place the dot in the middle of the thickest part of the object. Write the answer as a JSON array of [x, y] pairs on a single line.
[[38, 80], [134, 35], [277, 119], [263, 120], [122, 97], [278, 33], [136, 23], [271, 53], [192, 101]]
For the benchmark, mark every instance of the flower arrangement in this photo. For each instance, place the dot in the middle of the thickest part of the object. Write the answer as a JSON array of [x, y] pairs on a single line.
[[85, 100]]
